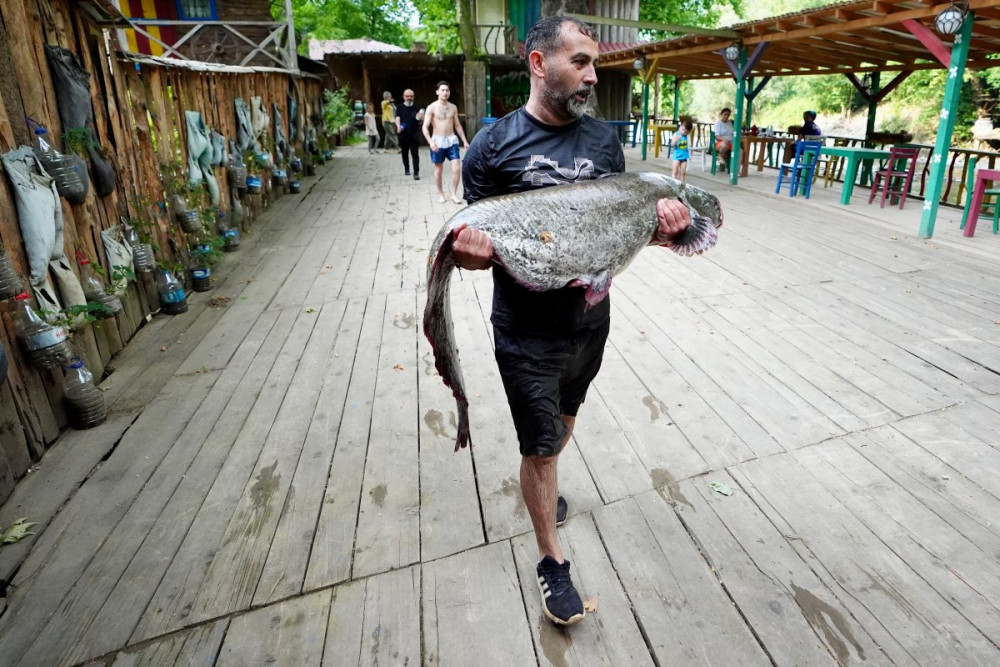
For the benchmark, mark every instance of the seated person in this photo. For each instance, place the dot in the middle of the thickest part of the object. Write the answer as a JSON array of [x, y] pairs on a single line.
[[723, 138], [809, 127]]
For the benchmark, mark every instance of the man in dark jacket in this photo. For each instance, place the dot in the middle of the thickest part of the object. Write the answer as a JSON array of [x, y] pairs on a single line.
[[409, 119]]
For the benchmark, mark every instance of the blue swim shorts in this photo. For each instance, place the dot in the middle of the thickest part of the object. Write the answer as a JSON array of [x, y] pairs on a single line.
[[450, 153]]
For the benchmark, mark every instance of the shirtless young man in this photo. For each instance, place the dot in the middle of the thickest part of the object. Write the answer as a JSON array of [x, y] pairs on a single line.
[[441, 124]]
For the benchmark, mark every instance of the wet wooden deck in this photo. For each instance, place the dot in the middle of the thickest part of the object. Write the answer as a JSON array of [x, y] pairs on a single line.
[[278, 486]]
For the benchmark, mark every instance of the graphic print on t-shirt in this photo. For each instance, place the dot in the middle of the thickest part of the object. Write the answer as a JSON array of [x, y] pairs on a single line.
[[545, 171]]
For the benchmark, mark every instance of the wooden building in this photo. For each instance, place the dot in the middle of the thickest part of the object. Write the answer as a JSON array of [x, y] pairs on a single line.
[[139, 104]]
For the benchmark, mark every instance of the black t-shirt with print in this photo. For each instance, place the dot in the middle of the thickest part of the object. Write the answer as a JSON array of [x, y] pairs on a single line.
[[519, 153], [407, 116]]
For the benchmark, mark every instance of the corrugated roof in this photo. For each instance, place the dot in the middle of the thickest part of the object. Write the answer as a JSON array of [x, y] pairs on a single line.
[[845, 37], [320, 47]]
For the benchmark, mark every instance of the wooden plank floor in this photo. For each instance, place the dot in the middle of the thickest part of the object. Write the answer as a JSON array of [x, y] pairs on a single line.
[[282, 487]]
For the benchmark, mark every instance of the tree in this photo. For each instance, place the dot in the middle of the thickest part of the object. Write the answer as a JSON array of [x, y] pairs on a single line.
[[382, 20], [438, 25]]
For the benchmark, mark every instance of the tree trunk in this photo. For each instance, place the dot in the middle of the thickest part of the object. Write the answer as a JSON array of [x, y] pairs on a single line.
[[466, 31]]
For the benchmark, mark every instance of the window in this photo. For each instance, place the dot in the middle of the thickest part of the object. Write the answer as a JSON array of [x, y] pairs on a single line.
[[196, 10]]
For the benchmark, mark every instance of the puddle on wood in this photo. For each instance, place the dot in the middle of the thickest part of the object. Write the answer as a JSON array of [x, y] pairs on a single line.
[[819, 614], [667, 487], [404, 320], [265, 486], [656, 407], [555, 641], [429, 364], [511, 488], [378, 494], [435, 422]]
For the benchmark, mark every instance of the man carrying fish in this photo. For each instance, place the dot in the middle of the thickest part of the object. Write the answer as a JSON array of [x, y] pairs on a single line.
[[549, 344]]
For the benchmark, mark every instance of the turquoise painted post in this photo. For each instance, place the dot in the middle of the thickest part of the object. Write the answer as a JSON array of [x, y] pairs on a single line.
[[677, 98], [645, 113], [489, 93], [741, 92], [949, 108], [866, 166]]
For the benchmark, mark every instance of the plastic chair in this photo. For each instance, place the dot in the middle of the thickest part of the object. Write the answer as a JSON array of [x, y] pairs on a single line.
[[897, 176], [800, 169]]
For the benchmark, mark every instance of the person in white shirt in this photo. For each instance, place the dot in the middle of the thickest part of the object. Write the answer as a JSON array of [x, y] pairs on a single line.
[[723, 138]]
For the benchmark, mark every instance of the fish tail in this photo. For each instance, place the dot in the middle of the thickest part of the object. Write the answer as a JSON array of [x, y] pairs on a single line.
[[441, 334]]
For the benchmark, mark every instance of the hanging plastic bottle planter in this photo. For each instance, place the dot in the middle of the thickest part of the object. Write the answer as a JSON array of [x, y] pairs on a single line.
[[295, 187], [10, 282], [173, 300], [296, 165], [68, 170], [254, 184], [85, 404], [279, 177], [230, 236], [143, 259], [46, 345], [94, 290]]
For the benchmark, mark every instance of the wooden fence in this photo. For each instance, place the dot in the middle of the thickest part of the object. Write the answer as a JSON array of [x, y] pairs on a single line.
[[139, 121]]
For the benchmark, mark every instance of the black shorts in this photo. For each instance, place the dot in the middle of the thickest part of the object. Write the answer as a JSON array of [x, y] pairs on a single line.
[[546, 378]]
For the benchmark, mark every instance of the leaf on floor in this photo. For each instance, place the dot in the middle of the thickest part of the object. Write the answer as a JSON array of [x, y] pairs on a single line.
[[399, 367], [719, 487], [590, 606], [18, 531]]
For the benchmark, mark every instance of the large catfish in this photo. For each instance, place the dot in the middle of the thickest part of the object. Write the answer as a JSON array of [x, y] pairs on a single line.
[[578, 235]]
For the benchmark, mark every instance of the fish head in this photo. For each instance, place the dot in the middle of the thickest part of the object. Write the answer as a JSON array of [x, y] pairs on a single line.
[[701, 203]]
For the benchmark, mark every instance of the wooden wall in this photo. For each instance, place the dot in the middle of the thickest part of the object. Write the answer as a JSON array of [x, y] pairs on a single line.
[[136, 107]]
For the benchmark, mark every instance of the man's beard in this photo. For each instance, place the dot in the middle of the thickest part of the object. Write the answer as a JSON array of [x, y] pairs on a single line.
[[567, 106], [408, 103]]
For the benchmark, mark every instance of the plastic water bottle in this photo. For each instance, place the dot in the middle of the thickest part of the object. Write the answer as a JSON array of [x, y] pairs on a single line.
[[94, 290], [45, 344], [172, 297], [85, 404]]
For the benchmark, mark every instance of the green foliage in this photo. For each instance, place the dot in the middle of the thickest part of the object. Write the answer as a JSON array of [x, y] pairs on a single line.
[[438, 26], [141, 220], [697, 13], [77, 315], [336, 109], [120, 275], [382, 20]]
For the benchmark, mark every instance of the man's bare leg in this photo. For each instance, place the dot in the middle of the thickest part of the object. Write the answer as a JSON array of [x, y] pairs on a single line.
[[456, 177], [540, 489], [438, 172]]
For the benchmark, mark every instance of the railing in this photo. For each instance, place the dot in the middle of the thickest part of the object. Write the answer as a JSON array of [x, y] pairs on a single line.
[[497, 40], [279, 38]]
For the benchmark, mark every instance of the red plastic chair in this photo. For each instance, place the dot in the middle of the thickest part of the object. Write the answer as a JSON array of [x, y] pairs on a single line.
[[896, 178]]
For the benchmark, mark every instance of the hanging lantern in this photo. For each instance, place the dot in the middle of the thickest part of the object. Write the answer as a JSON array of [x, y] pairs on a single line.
[[951, 18], [639, 64], [732, 52]]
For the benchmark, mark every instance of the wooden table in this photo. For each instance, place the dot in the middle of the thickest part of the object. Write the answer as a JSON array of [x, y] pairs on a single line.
[[855, 156], [749, 140], [983, 176], [660, 128]]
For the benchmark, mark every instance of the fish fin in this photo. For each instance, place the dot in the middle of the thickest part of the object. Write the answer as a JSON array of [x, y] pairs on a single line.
[[701, 235], [597, 288]]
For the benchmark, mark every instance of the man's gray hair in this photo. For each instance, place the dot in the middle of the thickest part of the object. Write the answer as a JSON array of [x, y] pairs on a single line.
[[386, 95], [546, 35]]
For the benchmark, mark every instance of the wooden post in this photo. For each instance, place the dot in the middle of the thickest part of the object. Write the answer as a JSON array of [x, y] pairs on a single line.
[[946, 124], [873, 99]]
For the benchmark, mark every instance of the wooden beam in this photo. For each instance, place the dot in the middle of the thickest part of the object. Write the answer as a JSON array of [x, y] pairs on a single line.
[[929, 40], [892, 85]]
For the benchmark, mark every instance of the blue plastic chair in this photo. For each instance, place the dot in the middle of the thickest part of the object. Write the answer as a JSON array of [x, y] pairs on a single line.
[[800, 170]]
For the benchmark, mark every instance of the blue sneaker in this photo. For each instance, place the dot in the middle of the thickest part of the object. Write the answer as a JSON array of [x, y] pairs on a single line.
[[560, 601]]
